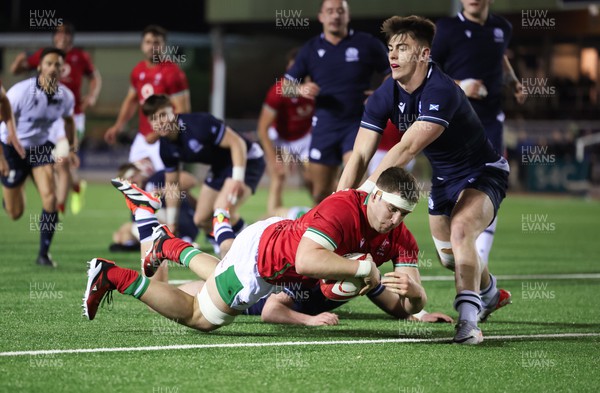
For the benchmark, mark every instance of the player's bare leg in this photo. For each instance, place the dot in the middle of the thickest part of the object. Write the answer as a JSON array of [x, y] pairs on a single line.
[[44, 180], [324, 180], [104, 277], [470, 216], [276, 182], [63, 182], [14, 201]]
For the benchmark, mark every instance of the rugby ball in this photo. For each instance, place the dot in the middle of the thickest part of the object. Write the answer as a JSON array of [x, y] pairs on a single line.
[[346, 289]]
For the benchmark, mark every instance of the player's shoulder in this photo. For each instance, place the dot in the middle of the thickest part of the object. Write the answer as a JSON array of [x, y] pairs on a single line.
[[500, 21], [139, 68], [348, 197], [170, 66], [77, 51], [439, 80], [446, 23], [63, 89], [362, 35], [21, 87]]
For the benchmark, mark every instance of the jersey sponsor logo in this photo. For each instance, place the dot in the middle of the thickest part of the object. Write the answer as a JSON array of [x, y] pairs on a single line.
[[157, 78], [315, 154], [468, 33], [142, 76], [351, 54], [194, 145], [401, 106], [498, 35], [146, 91], [321, 52], [434, 107]]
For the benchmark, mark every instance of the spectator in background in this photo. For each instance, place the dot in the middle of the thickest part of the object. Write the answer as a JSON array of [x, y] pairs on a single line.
[[78, 64]]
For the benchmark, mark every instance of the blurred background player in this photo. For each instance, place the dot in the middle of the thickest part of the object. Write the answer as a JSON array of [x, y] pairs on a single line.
[[126, 238], [470, 48], [7, 117], [341, 64], [37, 103], [236, 166], [469, 178], [150, 76], [78, 64], [284, 133]]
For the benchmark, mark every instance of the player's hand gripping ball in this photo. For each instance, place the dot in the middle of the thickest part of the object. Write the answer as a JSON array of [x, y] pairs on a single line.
[[346, 289]]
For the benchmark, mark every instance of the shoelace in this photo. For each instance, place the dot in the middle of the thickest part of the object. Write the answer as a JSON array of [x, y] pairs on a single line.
[[108, 299]]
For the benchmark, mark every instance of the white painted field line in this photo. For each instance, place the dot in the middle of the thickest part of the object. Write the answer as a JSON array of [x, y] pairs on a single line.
[[283, 344], [580, 276]]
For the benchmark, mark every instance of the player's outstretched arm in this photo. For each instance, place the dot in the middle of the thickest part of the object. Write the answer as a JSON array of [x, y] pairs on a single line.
[[19, 64], [93, 92], [278, 309], [365, 145], [266, 118], [237, 146], [8, 117], [127, 111], [418, 136]]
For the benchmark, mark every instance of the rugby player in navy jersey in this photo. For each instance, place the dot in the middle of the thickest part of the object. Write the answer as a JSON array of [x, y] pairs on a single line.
[[469, 177], [470, 48], [236, 166], [341, 63]]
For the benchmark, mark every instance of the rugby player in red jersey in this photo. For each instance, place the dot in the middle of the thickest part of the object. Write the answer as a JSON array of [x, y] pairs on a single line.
[[151, 76], [276, 252], [284, 133]]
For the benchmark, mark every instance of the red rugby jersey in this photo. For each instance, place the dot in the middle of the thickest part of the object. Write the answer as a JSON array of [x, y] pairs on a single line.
[[340, 224], [294, 115], [161, 78]]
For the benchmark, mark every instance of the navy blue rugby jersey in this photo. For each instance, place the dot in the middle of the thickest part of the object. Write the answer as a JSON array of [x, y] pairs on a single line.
[[463, 146]]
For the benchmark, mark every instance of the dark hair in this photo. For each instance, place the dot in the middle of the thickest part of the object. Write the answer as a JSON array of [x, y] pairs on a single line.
[[396, 179], [66, 27], [50, 49], [418, 28], [155, 30], [154, 103]]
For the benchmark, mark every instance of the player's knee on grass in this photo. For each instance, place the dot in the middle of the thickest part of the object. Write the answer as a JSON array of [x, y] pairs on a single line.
[[445, 254]]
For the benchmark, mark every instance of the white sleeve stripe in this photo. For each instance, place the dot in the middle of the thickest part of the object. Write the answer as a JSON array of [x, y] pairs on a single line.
[[319, 240], [220, 135], [435, 119], [371, 126]]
